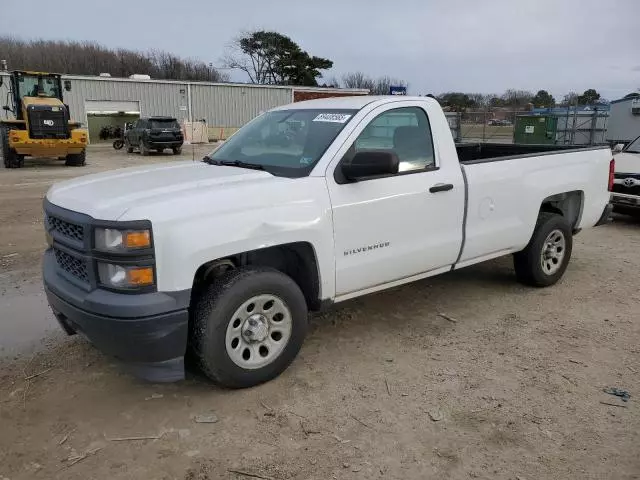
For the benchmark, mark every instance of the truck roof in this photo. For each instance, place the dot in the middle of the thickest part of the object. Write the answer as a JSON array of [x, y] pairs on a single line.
[[349, 103]]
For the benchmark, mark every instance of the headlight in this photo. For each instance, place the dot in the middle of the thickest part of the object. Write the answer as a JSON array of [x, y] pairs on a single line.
[[120, 276], [114, 240]]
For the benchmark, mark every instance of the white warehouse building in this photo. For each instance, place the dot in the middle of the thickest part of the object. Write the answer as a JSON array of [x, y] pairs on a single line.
[[99, 101]]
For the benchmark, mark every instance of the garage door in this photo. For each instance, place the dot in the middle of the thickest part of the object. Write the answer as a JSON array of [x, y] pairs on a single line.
[[106, 107]]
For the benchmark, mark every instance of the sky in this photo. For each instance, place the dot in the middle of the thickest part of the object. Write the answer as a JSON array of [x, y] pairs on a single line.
[[435, 45]]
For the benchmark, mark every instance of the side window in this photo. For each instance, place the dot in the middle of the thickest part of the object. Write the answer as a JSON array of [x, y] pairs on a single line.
[[406, 132]]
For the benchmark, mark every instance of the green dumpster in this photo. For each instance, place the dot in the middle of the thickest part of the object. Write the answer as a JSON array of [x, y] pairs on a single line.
[[535, 129]]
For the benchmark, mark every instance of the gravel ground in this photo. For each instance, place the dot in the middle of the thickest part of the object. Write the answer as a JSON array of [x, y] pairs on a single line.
[[466, 375]]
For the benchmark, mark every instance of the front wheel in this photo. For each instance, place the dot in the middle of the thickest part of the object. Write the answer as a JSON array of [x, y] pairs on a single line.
[[177, 150], [118, 144], [248, 326], [545, 259], [76, 159]]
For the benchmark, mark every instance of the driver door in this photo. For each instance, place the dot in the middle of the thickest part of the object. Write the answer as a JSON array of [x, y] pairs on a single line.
[[391, 228]]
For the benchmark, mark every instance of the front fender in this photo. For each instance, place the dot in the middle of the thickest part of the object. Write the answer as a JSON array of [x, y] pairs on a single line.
[[301, 213]]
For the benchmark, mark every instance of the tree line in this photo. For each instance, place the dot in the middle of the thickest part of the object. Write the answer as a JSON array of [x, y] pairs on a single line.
[[91, 58], [517, 100]]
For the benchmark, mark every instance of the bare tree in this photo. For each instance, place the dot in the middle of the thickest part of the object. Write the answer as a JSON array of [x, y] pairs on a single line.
[[382, 85], [91, 58], [569, 99], [253, 61], [517, 99], [358, 80], [376, 86], [332, 82]]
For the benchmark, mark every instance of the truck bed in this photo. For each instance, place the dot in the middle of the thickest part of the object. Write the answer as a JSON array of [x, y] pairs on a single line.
[[469, 153]]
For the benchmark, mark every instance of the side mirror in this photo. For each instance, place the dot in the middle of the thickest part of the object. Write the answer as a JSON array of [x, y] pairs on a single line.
[[618, 147], [371, 163], [67, 85]]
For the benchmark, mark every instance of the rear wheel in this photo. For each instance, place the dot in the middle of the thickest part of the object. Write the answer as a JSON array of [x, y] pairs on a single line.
[[129, 147], [10, 157], [545, 259], [76, 159], [248, 326], [177, 150]]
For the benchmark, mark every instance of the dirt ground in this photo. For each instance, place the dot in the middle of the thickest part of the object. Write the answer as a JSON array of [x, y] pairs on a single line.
[[466, 375]]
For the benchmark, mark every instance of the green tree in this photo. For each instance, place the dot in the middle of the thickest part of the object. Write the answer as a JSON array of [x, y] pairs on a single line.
[[543, 99], [457, 101], [273, 58], [589, 97]]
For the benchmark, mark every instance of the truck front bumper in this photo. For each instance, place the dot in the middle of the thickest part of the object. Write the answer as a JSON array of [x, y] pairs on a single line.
[[147, 332]]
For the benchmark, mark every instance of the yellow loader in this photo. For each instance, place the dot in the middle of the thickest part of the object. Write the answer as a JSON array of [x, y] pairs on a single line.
[[40, 126]]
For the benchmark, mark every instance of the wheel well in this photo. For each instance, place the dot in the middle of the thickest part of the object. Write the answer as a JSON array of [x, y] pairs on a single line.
[[297, 260], [567, 204]]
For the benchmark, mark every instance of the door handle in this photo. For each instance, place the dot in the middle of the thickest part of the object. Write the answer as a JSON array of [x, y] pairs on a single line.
[[441, 187]]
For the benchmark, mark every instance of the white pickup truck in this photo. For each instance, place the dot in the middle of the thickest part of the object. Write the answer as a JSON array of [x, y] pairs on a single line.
[[626, 184], [308, 205]]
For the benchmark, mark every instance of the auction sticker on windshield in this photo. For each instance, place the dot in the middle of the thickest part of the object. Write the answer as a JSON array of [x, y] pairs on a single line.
[[332, 117]]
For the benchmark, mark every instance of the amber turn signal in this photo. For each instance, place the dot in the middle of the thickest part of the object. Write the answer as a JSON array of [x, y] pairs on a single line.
[[140, 277], [137, 239]]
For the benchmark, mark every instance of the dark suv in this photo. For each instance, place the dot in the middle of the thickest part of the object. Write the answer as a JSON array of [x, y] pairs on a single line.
[[154, 133]]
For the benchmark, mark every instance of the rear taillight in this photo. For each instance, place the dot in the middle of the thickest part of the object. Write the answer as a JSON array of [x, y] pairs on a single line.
[[612, 172]]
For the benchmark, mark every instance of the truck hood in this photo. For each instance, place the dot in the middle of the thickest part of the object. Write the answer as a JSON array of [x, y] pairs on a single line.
[[627, 162], [108, 196]]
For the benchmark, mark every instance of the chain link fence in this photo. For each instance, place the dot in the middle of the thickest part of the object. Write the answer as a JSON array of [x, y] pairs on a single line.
[[499, 126]]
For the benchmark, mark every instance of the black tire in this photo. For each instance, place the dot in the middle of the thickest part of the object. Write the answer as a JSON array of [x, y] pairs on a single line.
[[76, 159], [528, 263], [10, 157], [177, 150], [129, 147], [144, 151], [214, 310], [118, 144]]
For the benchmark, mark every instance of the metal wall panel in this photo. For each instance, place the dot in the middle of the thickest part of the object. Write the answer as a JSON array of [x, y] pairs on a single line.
[[233, 106], [623, 125], [154, 98]]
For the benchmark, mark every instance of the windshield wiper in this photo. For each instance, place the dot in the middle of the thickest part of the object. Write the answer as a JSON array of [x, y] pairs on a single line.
[[241, 164], [232, 163], [210, 161]]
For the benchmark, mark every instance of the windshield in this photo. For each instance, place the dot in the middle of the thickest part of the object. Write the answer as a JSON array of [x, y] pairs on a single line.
[[30, 86], [164, 124], [285, 142], [633, 147]]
